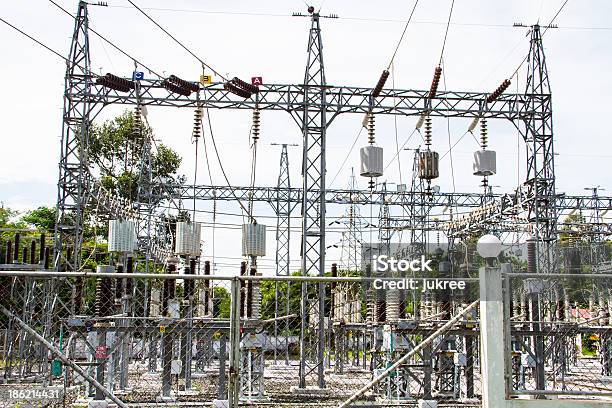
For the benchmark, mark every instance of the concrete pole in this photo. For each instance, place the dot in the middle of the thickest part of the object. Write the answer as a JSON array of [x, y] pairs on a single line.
[[492, 346]]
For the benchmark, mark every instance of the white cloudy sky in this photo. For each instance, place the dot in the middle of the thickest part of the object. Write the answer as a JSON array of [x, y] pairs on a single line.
[[246, 38]]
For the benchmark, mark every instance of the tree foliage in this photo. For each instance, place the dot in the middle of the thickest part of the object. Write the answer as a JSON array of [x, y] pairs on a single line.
[[116, 149]]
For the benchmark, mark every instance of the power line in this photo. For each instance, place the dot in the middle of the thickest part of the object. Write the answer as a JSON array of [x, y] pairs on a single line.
[[177, 41], [109, 42], [35, 40], [403, 33], [450, 14]]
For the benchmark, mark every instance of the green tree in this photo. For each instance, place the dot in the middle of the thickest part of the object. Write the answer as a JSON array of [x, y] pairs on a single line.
[[116, 147], [42, 218], [222, 301]]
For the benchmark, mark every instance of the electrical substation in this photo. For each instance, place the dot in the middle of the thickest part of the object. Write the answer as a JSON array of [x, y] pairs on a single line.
[[154, 324]]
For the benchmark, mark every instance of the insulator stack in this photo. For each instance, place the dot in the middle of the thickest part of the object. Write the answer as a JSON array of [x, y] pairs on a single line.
[[428, 159], [435, 82], [129, 284], [197, 122], [189, 283], [428, 132], [256, 122], [229, 86], [246, 86], [186, 85], [380, 84], [393, 305], [483, 134], [104, 292], [371, 129], [175, 88], [114, 82], [238, 87], [137, 122], [500, 90]]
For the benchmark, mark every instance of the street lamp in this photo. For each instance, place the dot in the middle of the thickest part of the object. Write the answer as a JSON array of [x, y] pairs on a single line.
[[489, 247]]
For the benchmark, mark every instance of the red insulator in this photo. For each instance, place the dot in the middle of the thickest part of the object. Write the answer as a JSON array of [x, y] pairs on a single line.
[[500, 90], [190, 86], [175, 88], [435, 82], [381, 83], [244, 85], [231, 87]]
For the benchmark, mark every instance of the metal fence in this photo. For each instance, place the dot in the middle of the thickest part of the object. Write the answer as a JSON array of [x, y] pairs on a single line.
[[296, 341]]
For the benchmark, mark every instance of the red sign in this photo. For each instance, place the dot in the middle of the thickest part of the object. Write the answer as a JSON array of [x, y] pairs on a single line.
[[256, 81], [101, 352]]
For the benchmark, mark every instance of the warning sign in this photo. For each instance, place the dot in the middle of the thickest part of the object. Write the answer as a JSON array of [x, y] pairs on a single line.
[[101, 352], [256, 81], [205, 79]]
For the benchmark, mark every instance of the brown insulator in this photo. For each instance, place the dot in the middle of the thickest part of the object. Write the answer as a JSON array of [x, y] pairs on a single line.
[[103, 301], [41, 254], [47, 258], [231, 87], [119, 284], [532, 257], [189, 283], [129, 268], [189, 86], [24, 254], [500, 90], [242, 291], [16, 247], [33, 252], [9, 252], [244, 85], [435, 82], [206, 287], [175, 88], [114, 82], [380, 84]]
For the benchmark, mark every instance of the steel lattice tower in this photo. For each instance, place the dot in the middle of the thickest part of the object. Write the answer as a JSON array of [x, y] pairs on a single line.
[[73, 165], [538, 135], [314, 125], [350, 257], [283, 207]]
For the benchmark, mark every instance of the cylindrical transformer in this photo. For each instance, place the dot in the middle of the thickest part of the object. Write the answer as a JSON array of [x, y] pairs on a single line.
[[485, 163], [121, 236], [188, 238], [371, 161], [429, 165], [253, 240]]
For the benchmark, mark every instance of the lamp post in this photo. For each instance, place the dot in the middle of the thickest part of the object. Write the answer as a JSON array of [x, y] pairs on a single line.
[[489, 247]]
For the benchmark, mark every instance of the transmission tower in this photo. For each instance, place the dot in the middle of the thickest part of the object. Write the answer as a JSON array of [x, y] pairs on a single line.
[[350, 256], [73, 166], [314, 126], [283, 207]]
